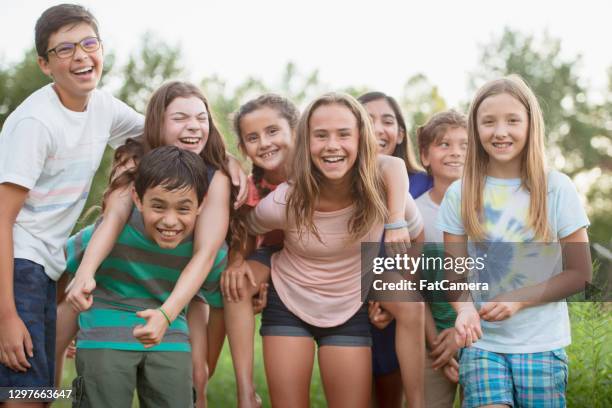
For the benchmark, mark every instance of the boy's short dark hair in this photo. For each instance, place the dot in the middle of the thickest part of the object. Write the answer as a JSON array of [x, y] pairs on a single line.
[[56, 17], [173, 169]]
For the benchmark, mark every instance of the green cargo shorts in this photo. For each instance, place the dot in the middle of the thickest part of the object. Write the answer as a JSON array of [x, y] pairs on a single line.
[[108, 378]]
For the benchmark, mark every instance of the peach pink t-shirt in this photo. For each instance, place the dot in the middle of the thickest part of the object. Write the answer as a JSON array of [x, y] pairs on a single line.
[[318, 281]]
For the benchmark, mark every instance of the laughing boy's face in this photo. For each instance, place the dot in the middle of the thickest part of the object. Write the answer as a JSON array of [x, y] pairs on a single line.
[[169, 216], [77, 75]]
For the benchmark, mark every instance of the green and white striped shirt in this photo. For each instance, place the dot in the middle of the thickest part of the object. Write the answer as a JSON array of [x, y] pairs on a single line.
[[137, 275]]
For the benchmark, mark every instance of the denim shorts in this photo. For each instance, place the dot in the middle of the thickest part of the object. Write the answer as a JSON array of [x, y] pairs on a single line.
[[277, 320], [34, 295], [263, 254], [513, 379]]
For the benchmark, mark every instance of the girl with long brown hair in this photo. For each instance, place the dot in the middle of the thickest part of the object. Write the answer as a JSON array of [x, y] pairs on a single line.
[[265, 127], [335, 200], [177, 114]]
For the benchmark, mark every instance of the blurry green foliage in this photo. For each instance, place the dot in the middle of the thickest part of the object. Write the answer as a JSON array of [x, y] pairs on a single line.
[[420, 100], [18, 81], [154, 63]]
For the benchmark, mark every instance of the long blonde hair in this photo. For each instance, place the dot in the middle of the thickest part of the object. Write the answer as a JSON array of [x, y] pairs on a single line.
[[533, 161], [367, 188]]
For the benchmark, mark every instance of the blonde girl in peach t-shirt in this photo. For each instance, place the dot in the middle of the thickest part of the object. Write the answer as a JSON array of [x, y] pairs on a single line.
[[335, 200]]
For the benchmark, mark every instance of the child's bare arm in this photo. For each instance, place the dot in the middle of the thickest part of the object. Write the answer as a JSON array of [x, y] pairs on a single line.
[[394, 176], [430, 328], [467, 323], [231, 279], [414, 220], [15, 339], [442, 346], [116, 214], [211, 228], [393, 172], [239, 179]]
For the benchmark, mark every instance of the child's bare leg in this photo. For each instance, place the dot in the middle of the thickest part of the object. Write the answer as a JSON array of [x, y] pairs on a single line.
[[240, 324], [289, 362], [346, 373], [66, 329], [388, 390], [197, 319], [60, 289], [216, 337], [410, 348]]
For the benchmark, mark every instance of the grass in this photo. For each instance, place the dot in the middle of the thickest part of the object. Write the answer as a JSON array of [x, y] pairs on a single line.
[[590, 375]]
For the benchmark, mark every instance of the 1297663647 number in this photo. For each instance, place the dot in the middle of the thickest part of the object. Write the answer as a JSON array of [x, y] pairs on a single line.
[[35, 393]]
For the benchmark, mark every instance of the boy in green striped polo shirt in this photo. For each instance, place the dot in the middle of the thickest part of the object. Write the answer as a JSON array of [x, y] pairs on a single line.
[[113, 357]]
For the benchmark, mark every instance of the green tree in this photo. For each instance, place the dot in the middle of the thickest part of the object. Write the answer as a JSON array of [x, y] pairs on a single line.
[[146, 70], [18, 81], [599, 198], [297, 86], [420, 100], [357, 91]]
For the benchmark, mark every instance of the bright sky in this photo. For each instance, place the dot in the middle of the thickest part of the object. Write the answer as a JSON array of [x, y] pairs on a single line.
[[379, 43]]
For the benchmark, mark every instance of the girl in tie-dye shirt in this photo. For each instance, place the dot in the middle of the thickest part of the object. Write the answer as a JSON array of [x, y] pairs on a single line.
[[515, 343]]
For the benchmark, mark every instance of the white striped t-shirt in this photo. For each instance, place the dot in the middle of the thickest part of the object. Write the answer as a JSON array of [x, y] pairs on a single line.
[[54, 152]]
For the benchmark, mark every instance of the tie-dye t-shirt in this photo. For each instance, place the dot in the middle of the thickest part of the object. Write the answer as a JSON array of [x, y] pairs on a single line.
[[506, 206]]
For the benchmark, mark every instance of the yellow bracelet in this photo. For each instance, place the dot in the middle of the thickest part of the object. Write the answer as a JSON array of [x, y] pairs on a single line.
[[165, 315]]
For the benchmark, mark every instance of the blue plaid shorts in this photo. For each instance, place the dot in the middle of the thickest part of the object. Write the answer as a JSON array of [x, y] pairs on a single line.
[[517, 380], [34, 295]]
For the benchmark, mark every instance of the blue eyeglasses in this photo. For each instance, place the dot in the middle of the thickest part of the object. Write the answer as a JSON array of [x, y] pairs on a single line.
[[67, 49]]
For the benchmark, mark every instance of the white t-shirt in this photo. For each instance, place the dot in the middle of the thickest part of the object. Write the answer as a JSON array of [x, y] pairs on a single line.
[[429, 212], [54, 152], [506, 203]]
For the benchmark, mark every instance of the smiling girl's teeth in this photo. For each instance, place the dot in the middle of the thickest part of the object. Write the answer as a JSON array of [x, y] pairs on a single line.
[[506, 144], [268, 155], [335, 159], [190, 140]]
